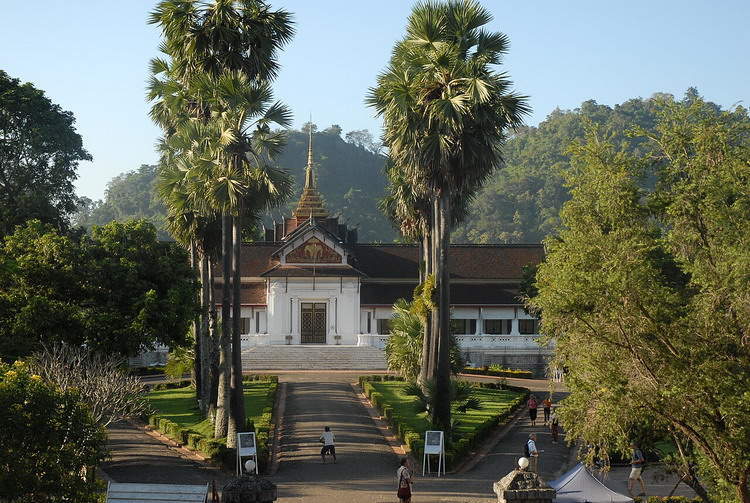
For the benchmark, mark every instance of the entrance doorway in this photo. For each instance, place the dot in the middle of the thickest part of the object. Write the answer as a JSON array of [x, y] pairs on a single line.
[[313, 323]]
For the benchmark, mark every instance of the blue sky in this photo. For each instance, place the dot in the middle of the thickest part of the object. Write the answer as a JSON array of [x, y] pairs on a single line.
[[91, 58]]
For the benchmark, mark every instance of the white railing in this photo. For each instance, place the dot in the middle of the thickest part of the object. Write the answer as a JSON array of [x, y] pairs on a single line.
[[467, 341], [374, 340], [251, 340], [499, 341]]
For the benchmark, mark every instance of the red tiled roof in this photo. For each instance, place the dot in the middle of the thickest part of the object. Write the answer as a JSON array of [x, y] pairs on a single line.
[[250, 293], [464, 261]]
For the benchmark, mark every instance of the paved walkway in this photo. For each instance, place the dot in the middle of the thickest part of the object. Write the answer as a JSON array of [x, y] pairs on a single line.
[[138, 457], [366, 464]]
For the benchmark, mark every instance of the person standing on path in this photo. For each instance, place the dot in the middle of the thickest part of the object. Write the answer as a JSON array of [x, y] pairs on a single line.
[[637, 462], [554, 427], [327, 439], [404, 482], [533, 453], [547, 404], [532, 404]]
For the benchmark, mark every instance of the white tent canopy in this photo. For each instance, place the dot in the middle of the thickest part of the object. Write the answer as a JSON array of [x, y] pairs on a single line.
[[579, 486]]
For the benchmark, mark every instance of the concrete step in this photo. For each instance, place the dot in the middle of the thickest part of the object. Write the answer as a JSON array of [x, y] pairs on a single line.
[[313, 357]]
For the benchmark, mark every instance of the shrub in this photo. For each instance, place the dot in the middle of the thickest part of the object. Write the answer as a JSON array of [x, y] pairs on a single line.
[[35, 415]]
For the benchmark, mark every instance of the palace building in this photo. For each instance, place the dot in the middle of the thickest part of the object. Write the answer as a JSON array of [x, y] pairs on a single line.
[[311, 283]]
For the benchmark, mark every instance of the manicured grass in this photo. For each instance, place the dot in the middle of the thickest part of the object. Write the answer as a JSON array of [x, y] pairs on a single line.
[[493, 401], [178, 405]]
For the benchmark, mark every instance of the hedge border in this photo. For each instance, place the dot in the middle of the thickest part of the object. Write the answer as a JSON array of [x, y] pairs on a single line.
[[216, 450], [455, 452], [486, 371]]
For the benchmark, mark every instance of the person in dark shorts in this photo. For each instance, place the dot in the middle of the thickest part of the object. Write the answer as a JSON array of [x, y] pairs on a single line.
[[328, 440], [532, 404], [547, 405], [637, 462]]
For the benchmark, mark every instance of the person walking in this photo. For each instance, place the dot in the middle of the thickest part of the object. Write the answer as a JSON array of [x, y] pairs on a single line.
[[554, 427], [637, 462], [532, 453], [327, 439], [547, 405], [404, 482], [532, 404]]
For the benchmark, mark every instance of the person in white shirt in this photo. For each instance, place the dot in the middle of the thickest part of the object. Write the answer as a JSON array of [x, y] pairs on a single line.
[[533, 454], [327, 439]]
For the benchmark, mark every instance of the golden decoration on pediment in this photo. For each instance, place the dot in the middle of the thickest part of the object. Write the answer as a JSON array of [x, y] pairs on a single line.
[[313, 251]]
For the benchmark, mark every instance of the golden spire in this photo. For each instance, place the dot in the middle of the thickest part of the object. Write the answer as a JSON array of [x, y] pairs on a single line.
[[309, 179], [310, 204]]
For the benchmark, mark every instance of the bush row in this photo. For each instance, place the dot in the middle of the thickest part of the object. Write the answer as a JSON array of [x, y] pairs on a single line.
[[216, 449], [498, 372], [378, 378], [455, 451]]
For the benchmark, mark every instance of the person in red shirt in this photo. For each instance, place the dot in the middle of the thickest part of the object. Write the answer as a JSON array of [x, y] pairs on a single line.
[[547, 404], [532, 404]]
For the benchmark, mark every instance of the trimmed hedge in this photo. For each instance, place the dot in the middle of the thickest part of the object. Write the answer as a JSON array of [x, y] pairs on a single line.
[[455, 451], [495, 372], [216, 449]]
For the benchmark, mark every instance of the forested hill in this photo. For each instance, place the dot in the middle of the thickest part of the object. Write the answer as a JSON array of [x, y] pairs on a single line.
[[349, 173], [519, 204], [522, 201]]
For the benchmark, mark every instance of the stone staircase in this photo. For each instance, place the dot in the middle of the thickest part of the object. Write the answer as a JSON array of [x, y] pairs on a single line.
[[313, 357]]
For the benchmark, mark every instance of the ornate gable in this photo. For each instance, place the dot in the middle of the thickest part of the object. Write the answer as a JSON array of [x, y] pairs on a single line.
[[313, 251]]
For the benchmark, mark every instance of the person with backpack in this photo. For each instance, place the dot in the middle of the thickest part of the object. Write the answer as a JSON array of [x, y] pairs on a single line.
[[637, 462], [532, 453]]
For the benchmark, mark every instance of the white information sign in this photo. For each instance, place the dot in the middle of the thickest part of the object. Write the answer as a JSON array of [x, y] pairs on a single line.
[[434, 445], [246, 449]]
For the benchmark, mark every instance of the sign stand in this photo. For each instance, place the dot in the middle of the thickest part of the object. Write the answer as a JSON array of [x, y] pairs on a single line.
[[246, 448], [433, 445]]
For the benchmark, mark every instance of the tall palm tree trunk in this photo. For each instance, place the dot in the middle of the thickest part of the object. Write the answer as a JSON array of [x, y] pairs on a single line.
[[205, 342], [434, 331], [213, 342], [426, 251], [197, 332], [224, 397], [441, 414], [237, 409]]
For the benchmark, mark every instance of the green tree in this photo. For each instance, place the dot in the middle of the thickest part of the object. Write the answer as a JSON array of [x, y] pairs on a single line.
[[48, 440], [645, 291], [446, 114], [39, 155], [118, 290]]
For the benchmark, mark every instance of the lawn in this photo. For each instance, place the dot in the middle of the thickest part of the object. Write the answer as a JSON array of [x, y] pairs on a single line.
[[178, 405], [494, 402]]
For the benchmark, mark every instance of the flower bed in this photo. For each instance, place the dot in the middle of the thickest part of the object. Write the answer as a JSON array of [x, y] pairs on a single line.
[[177, 416], [497, 371], [499, 403]]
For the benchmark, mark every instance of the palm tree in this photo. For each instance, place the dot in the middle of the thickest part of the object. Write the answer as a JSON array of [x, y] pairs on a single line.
[[243, 182], [206, 40], [446, 115]]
